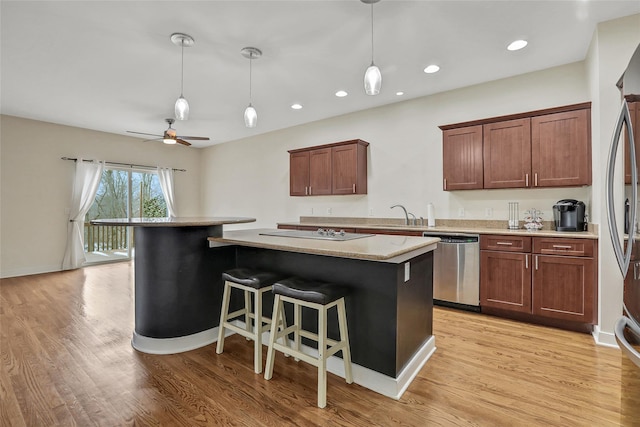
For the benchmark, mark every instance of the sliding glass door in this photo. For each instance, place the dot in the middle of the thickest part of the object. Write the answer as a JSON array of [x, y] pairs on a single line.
[[123, 193]]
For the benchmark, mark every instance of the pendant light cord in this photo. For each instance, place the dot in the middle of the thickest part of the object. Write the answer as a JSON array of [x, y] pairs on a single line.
[[182, 70], [250, 63], [372, 33]]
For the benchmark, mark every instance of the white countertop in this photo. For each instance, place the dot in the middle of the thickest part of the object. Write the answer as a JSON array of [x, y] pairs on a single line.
[[447, 229], [394, 249]]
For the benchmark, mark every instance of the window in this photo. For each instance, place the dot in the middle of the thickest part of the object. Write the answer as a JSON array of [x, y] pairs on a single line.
[[123, 193]]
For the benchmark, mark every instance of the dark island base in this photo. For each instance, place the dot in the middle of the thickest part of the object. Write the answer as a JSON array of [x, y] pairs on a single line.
[[178, 295], [178, 289], [388, 319]]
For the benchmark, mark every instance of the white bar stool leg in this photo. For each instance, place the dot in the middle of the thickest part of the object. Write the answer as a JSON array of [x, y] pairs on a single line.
[[322, 358], [344, 338], [257, 328], [277, 309], [223, 317]]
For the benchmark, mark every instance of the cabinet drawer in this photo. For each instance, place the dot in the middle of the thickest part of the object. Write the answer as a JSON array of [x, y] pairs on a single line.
[[505, 243], [562, 246]]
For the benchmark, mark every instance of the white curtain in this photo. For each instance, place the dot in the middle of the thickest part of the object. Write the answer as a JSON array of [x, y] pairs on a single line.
[[165, 176], [85, 186]]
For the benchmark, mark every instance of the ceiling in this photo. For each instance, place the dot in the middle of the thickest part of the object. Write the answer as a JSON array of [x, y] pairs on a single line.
[[110, 65]]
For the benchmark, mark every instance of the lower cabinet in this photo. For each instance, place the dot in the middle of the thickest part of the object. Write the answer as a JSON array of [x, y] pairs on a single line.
[[545, 277]]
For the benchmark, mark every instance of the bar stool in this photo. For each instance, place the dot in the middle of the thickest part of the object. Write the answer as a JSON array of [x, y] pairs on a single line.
[[321, 297], [255, 283]]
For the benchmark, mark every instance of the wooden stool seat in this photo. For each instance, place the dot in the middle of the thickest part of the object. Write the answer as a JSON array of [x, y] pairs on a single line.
[[251, 282], [320, 296]]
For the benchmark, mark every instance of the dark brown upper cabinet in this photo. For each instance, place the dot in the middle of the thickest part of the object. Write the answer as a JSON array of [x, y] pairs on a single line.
[[544, 148], [462, 158], [339, 168]]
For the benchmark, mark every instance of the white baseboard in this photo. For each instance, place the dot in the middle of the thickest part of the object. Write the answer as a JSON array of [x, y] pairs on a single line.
[[606, 339], [5, 274]]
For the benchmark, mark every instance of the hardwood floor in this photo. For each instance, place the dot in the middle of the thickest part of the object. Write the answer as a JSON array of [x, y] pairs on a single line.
[[66, 360]]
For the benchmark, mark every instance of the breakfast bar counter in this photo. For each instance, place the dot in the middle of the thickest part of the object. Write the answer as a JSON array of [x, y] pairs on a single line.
[[390, 302]]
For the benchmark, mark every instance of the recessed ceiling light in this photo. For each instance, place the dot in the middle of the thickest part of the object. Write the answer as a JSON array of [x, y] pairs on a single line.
[[432, 69], [400, 93], [341, 94], [296, 106], [517, 45]]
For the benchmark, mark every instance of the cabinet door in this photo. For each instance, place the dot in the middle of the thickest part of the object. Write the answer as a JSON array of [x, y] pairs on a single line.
[[344, 169], [505, 281], [507, 154], [462, 158], [320, 171], [634, 115], [563, 288], [299, 173], [561, 149]]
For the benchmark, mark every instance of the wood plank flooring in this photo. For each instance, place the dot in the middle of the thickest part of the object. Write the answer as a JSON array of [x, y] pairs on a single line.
[[66, 360]]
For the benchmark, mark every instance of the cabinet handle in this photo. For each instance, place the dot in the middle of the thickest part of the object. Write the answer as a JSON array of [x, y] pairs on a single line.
[[306, 191], [309, 190], [445, 183], [562, 247], [635, 271], [536, 262], [354, 189], [504, 243], [535, 179], [526, 261], [526, 179]]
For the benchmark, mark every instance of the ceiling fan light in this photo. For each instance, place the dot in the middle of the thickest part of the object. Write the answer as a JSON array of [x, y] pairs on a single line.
[[250, 117], [372, 80], [169, 141], [182, 109]]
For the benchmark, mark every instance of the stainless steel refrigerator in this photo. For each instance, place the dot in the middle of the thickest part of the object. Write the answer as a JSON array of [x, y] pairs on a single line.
[[627, 247]]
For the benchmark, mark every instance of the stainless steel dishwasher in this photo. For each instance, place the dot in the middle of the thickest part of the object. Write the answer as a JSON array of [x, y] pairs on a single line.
[[456, 270]]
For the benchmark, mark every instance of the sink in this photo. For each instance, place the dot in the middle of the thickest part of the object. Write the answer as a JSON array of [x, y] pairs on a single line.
[[317, 235]]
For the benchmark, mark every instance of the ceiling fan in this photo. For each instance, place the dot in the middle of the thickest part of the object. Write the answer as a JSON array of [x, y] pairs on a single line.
[[170, 136]]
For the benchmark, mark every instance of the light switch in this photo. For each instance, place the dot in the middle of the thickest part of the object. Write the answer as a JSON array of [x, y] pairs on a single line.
[[407, 271]]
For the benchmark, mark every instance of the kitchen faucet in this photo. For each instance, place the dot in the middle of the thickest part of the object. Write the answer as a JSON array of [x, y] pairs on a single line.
[[414, 219], [406, 215]]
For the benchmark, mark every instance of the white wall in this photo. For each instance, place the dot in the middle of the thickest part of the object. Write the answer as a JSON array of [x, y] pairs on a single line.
[[35, 188], [251, 176]]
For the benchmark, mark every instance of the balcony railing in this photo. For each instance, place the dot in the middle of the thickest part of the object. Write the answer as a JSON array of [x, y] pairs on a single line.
[[102, 238]]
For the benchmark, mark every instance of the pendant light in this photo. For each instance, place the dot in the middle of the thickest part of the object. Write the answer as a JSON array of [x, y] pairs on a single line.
[[372, 77], [182, 106], [250, 114]]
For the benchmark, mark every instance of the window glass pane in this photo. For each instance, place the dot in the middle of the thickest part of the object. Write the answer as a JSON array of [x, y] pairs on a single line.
[[147, 200]]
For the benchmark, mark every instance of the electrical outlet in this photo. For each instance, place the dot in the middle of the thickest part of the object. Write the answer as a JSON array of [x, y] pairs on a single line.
[[311, 211], [460, 212], [488, 212], [407, 271], [328, 211], [370, 211]]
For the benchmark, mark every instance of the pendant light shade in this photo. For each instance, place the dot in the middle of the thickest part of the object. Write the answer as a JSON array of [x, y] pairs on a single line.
[[182, 106], [372, 80], [250, 113], [250, 117], [373, 76]]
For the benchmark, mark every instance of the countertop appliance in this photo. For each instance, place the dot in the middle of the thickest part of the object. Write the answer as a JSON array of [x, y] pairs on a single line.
[[456, 271], [569, 215], [320, 234], [627, 328]]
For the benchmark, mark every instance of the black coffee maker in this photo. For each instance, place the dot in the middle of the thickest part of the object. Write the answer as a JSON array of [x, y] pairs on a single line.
[[569, 215]]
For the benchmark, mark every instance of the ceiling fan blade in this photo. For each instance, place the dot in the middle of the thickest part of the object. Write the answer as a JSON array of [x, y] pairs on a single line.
[[182, 141], [142, 133], [197, 138], [153, 139]]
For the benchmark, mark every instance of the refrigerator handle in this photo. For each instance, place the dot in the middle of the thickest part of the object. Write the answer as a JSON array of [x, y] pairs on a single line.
[[626, 348], [623, 257]]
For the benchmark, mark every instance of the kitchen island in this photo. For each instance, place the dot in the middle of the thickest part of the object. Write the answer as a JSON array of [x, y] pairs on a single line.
[[389, 306], [178, 286]]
